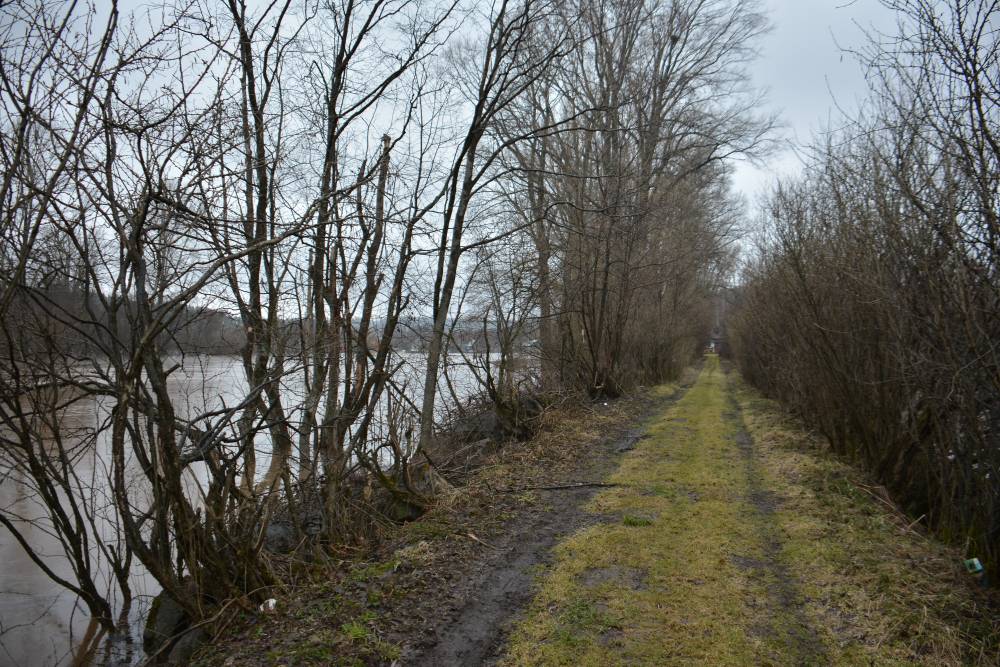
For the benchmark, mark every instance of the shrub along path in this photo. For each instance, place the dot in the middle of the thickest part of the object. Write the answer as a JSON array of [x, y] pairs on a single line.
[[732, 538], [727, 537]]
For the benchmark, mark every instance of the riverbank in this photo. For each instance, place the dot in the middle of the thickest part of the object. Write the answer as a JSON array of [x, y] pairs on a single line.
[[694, 524], [443, 589]]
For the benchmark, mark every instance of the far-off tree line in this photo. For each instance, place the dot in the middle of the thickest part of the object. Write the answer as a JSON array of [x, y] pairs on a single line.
[[305, 184], [871, 304]]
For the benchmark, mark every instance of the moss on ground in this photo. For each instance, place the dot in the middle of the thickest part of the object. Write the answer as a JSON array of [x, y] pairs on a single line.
[[371, 606], [732, 539]]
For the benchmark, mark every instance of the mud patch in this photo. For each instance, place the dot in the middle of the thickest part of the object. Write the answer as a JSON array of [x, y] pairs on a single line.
[[482, 605], [630, 440], [763, 501], [747, 563], [630, 577], [743, 439], [501, 585]]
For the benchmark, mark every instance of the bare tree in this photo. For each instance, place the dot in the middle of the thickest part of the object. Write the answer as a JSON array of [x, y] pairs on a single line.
[[871, 306], [296, 182], [610, 203], [505, 70]]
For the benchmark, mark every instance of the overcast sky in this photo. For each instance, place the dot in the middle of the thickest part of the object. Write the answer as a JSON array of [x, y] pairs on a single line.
[[805, 69]]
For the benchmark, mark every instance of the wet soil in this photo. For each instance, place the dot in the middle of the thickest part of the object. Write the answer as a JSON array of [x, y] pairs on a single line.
[[499, 585], [475, 613]]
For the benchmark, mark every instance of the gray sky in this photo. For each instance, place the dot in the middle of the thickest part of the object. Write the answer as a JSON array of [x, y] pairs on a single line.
[[805, 69]]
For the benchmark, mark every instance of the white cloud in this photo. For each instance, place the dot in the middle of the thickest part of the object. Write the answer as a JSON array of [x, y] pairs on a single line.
[[809, 74]]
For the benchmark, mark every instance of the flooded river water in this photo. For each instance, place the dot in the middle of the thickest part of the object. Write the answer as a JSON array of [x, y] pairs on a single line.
[[40, 621]]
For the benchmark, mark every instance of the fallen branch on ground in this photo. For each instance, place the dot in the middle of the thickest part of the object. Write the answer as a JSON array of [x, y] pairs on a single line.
[[560, 487]]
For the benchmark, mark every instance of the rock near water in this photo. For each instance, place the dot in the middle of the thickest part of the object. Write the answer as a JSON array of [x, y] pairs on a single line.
[[166, 637], [185, 647], [166, 620]]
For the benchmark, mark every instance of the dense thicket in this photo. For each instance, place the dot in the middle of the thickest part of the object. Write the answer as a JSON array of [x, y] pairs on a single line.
[[873, 303], [323, 182], [629, 216]]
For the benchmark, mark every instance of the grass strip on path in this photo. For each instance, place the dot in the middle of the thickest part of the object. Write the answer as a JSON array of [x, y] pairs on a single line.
[[732, 539], [397, 601]]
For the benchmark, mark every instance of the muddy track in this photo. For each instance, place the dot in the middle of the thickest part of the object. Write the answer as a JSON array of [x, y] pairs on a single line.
[[502, 583], [784, 592]]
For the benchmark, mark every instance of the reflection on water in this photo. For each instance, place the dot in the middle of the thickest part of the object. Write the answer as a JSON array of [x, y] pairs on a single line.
[[40, 621]]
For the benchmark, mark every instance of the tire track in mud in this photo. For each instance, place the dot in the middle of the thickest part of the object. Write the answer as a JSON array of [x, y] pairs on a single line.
[[504, 583], [784, 596]]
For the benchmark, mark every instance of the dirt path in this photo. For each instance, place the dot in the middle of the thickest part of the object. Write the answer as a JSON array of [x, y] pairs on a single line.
[[730, 539], [722, 535], [502, 583]]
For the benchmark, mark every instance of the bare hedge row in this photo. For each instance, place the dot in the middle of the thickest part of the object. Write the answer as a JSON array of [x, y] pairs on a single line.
[[872, 306]]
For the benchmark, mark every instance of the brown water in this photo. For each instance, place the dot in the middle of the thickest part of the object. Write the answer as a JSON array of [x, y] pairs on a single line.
[[40, 622]]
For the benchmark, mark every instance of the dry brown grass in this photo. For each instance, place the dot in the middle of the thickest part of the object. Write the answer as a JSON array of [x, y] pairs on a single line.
[[354, 608]]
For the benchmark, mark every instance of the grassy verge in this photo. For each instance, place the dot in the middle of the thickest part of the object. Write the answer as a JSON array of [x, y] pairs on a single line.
[[372, 608], [880, 590], [732, 539]]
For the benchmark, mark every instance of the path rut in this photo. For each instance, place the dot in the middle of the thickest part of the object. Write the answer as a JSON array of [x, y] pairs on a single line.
[[504, 582]]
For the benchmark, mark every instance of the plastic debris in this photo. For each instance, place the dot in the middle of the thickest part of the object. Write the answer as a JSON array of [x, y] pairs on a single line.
[[269, 605], [973, 566]]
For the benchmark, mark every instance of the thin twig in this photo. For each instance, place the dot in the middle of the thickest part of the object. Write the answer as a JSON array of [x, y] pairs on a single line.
[[485, 544], [560, 487]]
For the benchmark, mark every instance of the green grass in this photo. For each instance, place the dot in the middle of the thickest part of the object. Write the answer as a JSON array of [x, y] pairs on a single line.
[[636, 521], [691, 589], [775, 557]]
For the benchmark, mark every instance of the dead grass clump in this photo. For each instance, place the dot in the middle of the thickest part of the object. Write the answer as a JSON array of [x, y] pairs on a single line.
[[879, 579]]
